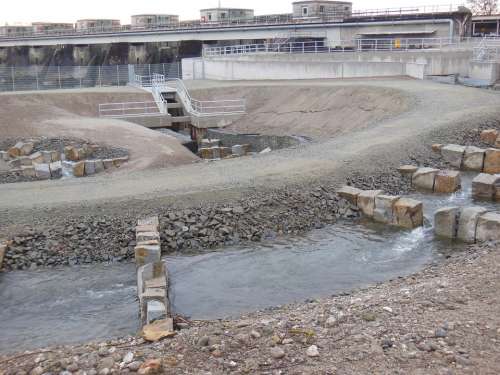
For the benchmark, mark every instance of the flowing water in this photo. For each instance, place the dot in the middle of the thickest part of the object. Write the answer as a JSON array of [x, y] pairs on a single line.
[[79, 304]]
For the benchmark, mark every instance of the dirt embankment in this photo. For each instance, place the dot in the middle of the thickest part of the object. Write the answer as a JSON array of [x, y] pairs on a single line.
[[315, 112], [74, 114]]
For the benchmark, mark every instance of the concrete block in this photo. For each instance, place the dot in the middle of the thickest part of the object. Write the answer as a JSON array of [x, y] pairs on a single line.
[[437, 147], [147, 236], [42, 171], [489, 136], [3, 250], [424, 178], [474, 159], [492, 161], [55, 155], [28, 171], [247, 148], [366, 201], [488, 227], [27, 148], [37, 158], [4, 155], [447, 182], [483, 186], [238, 150], [408, 213], [215, 152], [453, 155], [147, 254], [89, 167], [99, 166], [79, 169], [25, 161], [108, 164], [153, 220], [47, 156], [446, 222], [350, 194], [56, 170], [206, 153], [407, 169], [467, 223], [146, 228], [384, 208]]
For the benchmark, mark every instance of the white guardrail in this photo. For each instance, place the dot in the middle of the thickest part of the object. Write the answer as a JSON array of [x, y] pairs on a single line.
[[357, 45], [159, 107], [488, 51]]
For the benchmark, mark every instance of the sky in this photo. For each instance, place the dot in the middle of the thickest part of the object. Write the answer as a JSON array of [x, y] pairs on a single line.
[[26, 11]]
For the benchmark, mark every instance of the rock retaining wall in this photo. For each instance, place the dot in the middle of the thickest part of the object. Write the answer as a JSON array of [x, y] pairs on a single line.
[[467, 224], [386, 209]]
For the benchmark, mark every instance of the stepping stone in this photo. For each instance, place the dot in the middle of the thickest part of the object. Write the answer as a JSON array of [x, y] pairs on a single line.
[[407, 169], [437, 147], [474, 159], [56, 170], [42, 171], [492, 161], [350, 194], [79, 169], [484, 186], [488, 227], [446, 222], [467, 223], [453, 155], [424, 178], [366, 201], [489, 136], [384, 208], [408, 213], [37, 158], [99, 166], [447, 182]]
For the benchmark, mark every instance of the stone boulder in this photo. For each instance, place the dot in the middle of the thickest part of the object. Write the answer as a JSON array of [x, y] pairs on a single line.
[[447, 181], [147, 236], [47, 156], [206, 153], [108, 164], [99, 166], [25, 161], [384, 208], [453, 155], [37, 158], [467, 223], [145, 254], [21, 149], [118, 162], [55, 155], [446, 222], [408, 213], [488, 227], [158, 330], [42, 171], [79, 169], [492, 161], [484, 186], [489, 136], [216, 152], [366, 201], [238, 150], [437, 147], [28, 171], [350, 194], [424, 178], [3, 250], [474, 159], [71, 153]]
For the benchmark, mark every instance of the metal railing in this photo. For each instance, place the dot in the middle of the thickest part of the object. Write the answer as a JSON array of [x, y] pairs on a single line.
[[278, 19], [488, 51], [130, 109], [36, 77], [357, 45]]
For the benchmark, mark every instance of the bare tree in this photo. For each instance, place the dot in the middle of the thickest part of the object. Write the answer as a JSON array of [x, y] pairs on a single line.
[[483, 7]]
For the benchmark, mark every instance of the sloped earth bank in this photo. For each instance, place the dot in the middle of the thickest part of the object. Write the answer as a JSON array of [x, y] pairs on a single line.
[[74, 114], [443, 320]]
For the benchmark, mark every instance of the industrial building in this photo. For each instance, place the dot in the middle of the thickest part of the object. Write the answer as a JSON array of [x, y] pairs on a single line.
[[225, 14], [97, 24], [486, 25], [40, 27], [322, 9], [150, 20], [12, 31]]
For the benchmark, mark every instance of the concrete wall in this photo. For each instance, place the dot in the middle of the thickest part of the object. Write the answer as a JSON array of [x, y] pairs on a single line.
[[257, 142], [489, 72], [244, 69]]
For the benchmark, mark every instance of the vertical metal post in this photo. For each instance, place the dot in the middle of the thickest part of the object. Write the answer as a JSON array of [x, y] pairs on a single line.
[[149, 69], [13, 76], [99, 75], [80, 75], [59, 75], [118, 75]]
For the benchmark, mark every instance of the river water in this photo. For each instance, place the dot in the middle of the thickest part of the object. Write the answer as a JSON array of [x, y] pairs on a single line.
[[71, 305]]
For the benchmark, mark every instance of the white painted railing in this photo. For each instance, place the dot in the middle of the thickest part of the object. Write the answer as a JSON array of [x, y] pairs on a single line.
[[358, 45], [130, 109]]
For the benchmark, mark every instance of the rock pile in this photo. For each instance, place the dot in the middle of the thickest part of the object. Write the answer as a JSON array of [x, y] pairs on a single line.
[[386, 209], [211, 149], [471, 158], [467, 224]]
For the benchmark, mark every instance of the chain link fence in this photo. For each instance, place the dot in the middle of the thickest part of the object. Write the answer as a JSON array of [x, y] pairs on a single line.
[[70, 77]]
